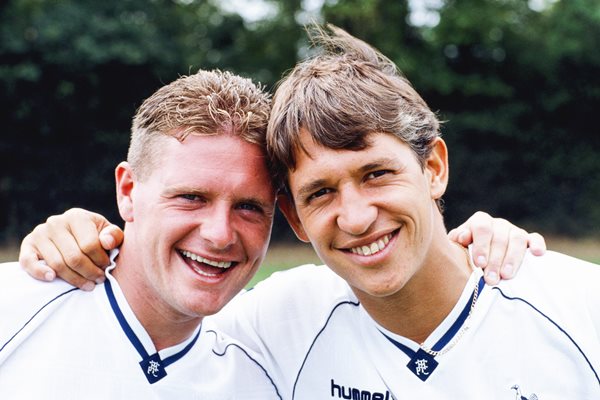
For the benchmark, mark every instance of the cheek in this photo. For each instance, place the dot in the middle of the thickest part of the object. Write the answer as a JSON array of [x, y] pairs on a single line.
[[167, 232], [318, 225], [406, 202], [255, 240]]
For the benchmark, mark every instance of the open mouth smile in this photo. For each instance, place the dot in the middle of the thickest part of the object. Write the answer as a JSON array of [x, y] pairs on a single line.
[[374, 247], [204, 266]]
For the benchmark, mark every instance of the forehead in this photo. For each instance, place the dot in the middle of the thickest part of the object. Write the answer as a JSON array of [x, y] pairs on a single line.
[[378, 146], [224, 161]]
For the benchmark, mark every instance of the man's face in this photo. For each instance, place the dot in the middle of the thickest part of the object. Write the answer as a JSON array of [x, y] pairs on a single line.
[[368, 213], [200, 222]]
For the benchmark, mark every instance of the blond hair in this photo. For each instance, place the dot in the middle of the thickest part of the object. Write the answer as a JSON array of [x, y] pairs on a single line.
[[205, 103], [342, 95]]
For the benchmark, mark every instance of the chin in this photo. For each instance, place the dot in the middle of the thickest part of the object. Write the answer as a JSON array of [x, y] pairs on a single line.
[[383, 289], [200, 306], [203, 311], [381, 293]]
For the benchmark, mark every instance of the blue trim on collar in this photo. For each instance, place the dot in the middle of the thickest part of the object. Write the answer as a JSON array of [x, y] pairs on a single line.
[[423, 364], [453, 330], [450, 333], [152, 365], [123, 322]]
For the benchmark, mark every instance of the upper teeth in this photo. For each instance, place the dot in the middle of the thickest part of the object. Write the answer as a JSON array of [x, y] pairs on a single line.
[[196, 257], [372, 248]]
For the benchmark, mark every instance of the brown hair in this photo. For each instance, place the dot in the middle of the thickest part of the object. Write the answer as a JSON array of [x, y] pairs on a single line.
[[342, 95], [206, 103]]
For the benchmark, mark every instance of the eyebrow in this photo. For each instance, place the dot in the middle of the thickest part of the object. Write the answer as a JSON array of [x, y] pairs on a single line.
[[383, 162], [309, 188], [173, 190]]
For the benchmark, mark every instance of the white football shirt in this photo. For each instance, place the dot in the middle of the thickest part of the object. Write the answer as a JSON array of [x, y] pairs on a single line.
[[535, 335], [58, 342]]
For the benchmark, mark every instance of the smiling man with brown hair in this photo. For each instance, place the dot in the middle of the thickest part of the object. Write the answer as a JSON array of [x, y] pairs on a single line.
[[406, 314]]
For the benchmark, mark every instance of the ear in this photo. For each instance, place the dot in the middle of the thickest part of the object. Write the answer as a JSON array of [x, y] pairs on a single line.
[[125, 182], [437, 169], [288, 208]]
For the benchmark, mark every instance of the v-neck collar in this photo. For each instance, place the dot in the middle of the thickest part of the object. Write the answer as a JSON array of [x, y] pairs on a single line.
[[441, 337], [153, 363], [422, 363]]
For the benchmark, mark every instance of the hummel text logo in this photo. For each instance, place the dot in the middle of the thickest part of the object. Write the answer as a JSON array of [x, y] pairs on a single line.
[[341, 392]]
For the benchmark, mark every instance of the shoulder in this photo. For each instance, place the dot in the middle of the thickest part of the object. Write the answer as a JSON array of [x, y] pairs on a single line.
[[558, 285], [281, 317], [292, 303], [24, 300], [222, 359], [16, 284], [557, 270], [301, 287]]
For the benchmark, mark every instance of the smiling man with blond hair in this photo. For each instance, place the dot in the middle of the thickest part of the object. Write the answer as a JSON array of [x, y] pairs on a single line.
[[194, 236]]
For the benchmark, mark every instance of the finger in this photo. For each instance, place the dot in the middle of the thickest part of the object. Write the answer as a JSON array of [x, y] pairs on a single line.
[[85, 227], [72, 277], [500, 242], [482, 237], [537, 244], [465, 238], [453, 234], [72, 263], [53, 259], [461, 235], [85, 235], [29, 261], [479, 226], [65, 253], [515, 252], [111, 237]]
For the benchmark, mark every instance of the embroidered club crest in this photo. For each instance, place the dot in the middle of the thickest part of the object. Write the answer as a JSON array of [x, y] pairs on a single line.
[[519, 396]]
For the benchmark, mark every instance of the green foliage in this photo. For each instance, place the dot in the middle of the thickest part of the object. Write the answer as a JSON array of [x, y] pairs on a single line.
[[520, 101], [72, 74], [518, 88]]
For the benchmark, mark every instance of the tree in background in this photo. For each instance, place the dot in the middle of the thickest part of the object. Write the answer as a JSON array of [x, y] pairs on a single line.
[[72, 76], [519, 91], [517, 86]]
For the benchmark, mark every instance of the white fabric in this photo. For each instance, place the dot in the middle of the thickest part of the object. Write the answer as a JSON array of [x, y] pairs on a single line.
[[321, 343], [74, 348]]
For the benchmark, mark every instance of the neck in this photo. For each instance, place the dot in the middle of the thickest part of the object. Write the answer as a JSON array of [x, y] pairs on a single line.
[[165, 326], [422, 304]]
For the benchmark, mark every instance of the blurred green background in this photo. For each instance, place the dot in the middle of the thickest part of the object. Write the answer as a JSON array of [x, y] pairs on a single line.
[[517, 82]]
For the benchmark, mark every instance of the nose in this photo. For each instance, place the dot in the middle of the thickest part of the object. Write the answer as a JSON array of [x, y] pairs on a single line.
[[217, 228], [356, 214]]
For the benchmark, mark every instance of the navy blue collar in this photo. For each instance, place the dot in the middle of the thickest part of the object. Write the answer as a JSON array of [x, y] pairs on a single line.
[[416, 357], [152, 365]]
